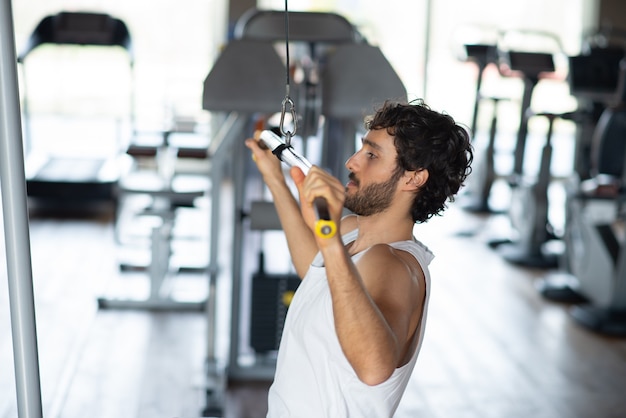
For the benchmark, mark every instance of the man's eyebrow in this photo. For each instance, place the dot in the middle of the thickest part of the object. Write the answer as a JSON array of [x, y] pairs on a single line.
[[372, 144]]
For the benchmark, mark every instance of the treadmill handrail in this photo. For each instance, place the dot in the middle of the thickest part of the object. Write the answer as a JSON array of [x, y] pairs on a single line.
[[79, 28]]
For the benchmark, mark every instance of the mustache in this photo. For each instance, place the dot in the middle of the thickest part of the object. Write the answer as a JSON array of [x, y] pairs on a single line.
[[353, 178]]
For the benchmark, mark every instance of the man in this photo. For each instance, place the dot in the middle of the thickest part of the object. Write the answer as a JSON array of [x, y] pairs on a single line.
[[355, 326]]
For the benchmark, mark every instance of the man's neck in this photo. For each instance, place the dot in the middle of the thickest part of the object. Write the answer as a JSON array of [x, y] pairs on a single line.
[[382, 228]]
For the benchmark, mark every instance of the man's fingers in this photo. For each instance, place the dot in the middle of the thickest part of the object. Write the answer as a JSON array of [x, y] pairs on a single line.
[[298, 176]]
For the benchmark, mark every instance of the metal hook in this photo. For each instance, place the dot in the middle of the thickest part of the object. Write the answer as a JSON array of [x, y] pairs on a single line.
[[292, 109]]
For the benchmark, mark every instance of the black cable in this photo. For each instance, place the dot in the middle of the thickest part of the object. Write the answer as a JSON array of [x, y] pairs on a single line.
[[287, 43]]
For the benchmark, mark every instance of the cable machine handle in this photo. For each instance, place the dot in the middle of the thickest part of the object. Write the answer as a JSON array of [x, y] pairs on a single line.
[[324, 226]]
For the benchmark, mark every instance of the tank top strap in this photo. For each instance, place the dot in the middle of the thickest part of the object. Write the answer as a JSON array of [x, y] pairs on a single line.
[[418, 250]]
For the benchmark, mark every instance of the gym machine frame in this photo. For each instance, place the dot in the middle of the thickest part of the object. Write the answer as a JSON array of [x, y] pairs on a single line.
[[483, 175], [529, 201], [593, 272], [168, 191]]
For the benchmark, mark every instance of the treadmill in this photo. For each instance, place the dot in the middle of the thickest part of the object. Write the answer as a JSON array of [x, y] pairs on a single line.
[[68, 181]]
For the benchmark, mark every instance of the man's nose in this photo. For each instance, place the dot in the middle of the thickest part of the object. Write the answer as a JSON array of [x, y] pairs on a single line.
[[351, 163]]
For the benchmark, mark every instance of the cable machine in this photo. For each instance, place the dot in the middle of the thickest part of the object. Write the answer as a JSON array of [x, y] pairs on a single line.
[[245, 85]]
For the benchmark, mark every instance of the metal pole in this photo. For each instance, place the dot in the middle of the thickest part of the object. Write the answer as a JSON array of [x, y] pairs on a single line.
[[16, 233], [427, 31]]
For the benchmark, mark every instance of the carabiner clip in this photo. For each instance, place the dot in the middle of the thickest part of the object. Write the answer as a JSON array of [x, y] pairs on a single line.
[[292, 109]]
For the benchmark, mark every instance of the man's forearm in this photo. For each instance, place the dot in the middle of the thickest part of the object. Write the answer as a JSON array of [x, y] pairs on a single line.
[[300, 239]]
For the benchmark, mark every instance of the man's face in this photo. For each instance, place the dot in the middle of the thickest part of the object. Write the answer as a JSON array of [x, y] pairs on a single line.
[[373, 175]]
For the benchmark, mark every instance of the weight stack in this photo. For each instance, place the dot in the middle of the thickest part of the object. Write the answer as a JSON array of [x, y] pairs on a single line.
[[271, 296]]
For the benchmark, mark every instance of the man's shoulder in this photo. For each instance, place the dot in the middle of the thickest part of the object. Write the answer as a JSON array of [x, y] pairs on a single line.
[[391, 272], [384, 254], [387, 259]]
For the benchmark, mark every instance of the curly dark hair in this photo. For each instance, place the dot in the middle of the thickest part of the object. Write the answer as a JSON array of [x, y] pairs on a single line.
[[426, 139]]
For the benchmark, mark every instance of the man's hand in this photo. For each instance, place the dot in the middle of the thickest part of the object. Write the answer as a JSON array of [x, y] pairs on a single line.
[[319, 183], [268, 164]]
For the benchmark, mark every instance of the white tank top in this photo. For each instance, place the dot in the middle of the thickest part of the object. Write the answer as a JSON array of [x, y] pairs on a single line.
[[313, 377]]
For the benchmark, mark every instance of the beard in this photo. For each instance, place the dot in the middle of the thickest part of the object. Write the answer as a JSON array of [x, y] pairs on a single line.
[[372, 199]]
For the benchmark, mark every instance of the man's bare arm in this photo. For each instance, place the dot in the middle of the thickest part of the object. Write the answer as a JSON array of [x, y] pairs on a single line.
[[300, 239], [376, 309]]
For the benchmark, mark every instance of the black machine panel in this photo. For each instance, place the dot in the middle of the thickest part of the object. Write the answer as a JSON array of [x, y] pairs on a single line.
[[271, 296]]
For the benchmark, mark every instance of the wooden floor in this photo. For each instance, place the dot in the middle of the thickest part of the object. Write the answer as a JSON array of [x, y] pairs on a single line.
[[493, 348]]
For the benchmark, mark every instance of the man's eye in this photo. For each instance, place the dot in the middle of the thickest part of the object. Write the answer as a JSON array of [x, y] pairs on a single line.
[[371, 156]]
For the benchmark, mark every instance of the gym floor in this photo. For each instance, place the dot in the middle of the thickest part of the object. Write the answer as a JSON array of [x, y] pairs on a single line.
[[494, 347]]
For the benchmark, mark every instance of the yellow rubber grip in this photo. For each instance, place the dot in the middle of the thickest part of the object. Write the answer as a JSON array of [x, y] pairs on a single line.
[[325, 228]]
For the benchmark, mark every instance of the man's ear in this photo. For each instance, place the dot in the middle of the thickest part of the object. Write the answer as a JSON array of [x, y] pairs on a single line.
[[416, 179]]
